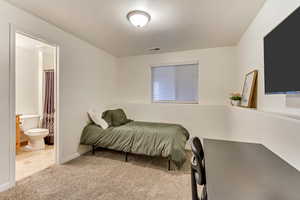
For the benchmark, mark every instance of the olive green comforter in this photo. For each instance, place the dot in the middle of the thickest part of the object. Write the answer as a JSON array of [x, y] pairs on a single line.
[[153, 139]]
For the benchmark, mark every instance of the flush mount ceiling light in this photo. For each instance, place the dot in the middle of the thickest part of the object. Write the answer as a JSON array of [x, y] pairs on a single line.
[[138, 18]]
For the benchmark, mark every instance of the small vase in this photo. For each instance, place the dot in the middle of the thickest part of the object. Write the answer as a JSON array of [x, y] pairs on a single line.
[[235, 102]]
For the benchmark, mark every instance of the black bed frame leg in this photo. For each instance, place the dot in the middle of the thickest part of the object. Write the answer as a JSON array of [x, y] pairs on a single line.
[[169, 165], [93, 149], [126, 157]]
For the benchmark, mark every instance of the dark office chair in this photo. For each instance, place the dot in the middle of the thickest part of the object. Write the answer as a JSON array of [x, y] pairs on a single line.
[[197, 169], [197, 148]]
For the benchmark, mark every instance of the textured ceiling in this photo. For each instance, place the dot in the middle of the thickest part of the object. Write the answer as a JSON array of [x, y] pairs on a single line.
[[175, 24]]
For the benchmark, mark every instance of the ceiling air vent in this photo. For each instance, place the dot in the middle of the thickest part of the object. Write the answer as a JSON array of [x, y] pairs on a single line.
[[154, 49]]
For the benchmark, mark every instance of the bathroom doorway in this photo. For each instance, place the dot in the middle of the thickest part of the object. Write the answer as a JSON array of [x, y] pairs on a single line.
[[35, 75]]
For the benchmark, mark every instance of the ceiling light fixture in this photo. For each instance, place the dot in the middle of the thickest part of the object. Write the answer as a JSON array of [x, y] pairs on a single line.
[[138, 18]]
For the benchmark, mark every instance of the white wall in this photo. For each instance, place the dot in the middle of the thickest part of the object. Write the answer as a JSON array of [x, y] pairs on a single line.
[[250, 52], [86, 78], [47, 58], [27, 83], [205, 121], [221, 72], [279, 134], [4, 105], [217, 68], [47, 61]]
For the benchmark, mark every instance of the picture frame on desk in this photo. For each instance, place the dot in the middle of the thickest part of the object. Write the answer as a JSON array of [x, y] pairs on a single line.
[[249, 93]]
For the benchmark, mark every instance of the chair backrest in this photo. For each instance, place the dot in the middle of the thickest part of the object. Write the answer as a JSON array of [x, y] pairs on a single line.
[[199, 157], [197, 148]]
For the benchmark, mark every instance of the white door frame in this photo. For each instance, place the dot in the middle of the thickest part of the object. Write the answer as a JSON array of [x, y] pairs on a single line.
[[12, 100]]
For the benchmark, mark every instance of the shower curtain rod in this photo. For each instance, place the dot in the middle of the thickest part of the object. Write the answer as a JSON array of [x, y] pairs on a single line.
[[48, 70]]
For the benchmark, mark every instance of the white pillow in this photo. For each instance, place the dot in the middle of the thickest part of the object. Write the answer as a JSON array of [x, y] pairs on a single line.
[[96, 117]]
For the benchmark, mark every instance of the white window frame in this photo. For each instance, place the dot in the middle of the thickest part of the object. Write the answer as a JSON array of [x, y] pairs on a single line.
[[195, 62]]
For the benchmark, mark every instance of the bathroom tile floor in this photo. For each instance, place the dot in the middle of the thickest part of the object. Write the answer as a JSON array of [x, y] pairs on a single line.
[[30, 162]]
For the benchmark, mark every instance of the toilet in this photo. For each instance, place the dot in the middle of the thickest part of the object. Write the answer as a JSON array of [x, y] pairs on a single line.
[[36, 135]]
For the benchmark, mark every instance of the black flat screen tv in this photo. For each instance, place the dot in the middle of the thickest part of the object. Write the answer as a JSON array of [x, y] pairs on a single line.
[[282, 57]]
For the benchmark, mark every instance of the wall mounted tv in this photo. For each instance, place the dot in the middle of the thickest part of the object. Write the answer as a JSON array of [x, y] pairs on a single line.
[[282, 57]]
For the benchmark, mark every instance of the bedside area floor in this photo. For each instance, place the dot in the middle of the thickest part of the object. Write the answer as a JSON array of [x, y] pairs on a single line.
[[106, 176]]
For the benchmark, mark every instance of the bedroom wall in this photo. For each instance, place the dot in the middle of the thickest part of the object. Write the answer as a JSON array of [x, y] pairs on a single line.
[[217, 67], [280, 134], [217, 70], [250, 54], [86, 77], [205, 121], [210, 119]]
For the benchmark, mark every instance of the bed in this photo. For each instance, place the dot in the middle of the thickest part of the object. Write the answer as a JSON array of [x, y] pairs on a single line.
[[137, 137]]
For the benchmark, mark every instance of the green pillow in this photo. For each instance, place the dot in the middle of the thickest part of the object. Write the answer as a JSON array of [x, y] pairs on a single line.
[[115, 117], [107, 116]]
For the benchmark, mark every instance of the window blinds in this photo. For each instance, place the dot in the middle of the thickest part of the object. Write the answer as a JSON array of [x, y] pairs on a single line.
[[175, 83]]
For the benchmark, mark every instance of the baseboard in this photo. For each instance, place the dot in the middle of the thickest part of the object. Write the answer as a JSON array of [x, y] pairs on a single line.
[[5, 186], [69, 158]]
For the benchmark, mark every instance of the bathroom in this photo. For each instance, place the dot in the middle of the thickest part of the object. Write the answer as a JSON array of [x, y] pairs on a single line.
[[35, 96]]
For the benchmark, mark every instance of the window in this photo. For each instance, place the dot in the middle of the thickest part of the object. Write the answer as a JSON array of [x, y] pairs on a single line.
[[175, 83]]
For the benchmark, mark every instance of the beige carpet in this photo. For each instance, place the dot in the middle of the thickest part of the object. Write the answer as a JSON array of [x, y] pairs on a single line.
[[106, 176]]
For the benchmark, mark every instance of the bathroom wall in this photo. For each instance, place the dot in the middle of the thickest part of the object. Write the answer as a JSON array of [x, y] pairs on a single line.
[[27, 80], [46, 62], [47, 57]]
